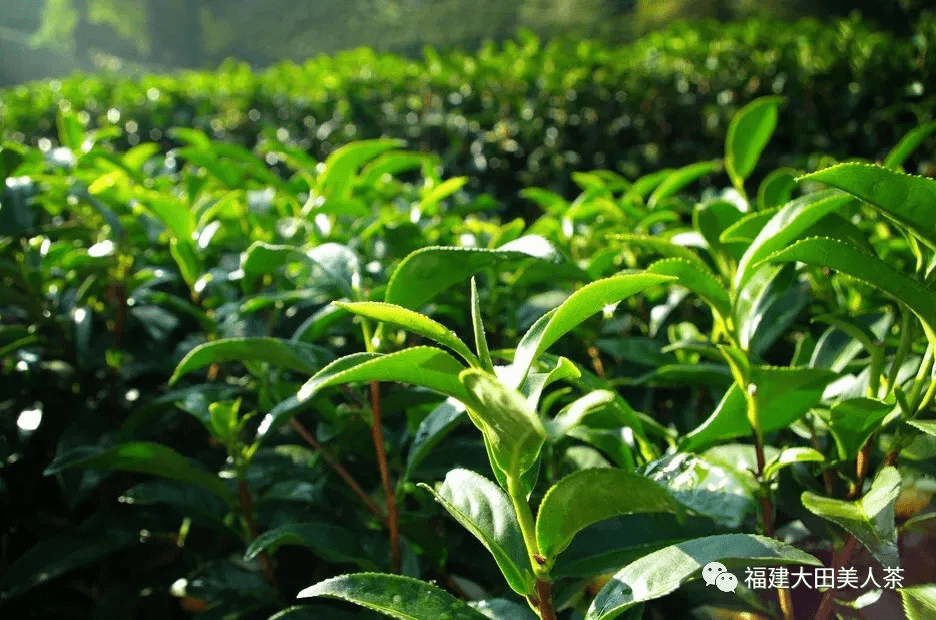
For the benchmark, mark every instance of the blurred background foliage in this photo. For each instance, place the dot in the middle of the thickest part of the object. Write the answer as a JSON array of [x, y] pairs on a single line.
[[39, 38]]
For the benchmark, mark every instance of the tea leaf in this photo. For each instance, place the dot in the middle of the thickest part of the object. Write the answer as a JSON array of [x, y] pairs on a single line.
[[786, 226], [583, 303], [342, 166], [425, 366], [908, 200], [426, 272], [919, 602], [701, 283], [412, 321], [784, 395], [486, 511], [870, 519], [331, 542], [481, 345], [748, 134], [901, 151], [57, 555], [403, 598], [592, 495], [852, 421], [789, 456], [868, 269], [431, 430], [142, 457], [291, 355], [665, 248], [513, 433], [927, 426], [776, 188], [661, 572], [681, 178]]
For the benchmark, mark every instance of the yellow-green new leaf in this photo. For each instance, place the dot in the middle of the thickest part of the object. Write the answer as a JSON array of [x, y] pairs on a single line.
[[588, 300], [512, 431], [748, 134], [425, 366], [412, 321]]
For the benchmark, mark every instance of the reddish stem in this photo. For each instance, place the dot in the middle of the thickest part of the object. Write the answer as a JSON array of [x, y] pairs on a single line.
[[393, 517]]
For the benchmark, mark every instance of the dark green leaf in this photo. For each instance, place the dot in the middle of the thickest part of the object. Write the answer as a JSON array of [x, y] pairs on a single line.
[[852, 421], [431, 430], [783, 394], [331, 542], [58, 555], [145, 458]]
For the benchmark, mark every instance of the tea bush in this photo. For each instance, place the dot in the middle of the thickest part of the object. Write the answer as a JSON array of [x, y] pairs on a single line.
[[244, 384], [530, 113]]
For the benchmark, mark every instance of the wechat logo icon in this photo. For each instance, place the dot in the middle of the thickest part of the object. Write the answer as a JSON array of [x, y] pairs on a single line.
[[715, 573]]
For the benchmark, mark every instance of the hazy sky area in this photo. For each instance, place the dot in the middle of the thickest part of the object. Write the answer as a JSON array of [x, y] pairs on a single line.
[[41, 38]]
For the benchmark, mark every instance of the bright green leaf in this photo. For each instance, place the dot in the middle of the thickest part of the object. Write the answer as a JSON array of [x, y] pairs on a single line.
[[748, 134], [425, 366], [296, 356], [403, 598], [427, 272], [588, 300], [592, 495], [908, 200], [412, 321], [869, 519], [662, 572], [486, 511]]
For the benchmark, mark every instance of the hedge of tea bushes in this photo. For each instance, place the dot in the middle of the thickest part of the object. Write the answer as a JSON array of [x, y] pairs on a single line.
[[529, 113]]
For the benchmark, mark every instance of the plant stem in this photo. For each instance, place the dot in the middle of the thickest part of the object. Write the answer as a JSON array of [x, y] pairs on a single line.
[[339, 469], [393, 517], [825, 606], [766, 505], [247, 508], [543, 601]]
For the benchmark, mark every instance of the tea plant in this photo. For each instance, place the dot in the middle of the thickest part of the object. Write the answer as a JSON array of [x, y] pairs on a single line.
[[759, 392]]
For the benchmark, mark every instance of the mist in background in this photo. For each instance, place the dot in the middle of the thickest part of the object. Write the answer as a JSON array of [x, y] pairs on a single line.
[[48, 38]]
